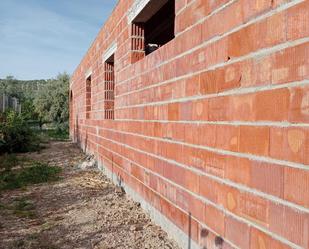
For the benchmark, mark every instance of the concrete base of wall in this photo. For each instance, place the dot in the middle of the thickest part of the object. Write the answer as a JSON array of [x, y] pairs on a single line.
[[172, 230]]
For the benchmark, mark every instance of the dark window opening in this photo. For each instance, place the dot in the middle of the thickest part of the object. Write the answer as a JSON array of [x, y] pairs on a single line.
[[109, 87], [159, 29], [153, 27], [88, 97]]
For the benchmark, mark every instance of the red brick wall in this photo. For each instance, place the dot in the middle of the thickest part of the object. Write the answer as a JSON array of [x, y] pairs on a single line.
[[215, 123]]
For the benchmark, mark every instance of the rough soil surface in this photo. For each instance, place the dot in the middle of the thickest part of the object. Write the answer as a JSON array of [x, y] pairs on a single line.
[[82, 210]]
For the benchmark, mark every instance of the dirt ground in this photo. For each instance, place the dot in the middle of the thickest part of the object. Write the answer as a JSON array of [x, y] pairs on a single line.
[[81, 210]]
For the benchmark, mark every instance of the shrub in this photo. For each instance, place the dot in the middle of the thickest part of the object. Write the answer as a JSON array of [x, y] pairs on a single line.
[[15, 134]]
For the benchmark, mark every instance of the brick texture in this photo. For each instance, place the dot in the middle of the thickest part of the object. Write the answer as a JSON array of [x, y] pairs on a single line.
[[211, 129]]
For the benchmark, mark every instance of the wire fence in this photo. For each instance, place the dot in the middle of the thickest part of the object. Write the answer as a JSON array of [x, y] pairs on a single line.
[[8, 102]]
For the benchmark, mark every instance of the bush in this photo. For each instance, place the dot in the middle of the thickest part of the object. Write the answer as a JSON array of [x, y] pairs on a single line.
[[15, 134]]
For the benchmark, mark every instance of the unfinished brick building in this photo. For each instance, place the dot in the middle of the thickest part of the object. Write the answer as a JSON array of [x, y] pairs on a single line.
[[200, 109]]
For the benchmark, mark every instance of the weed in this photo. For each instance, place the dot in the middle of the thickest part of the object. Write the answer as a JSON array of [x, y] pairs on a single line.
[[54, 134], [47, 226], [25, 214], [39, 173], [2, 206], [33, 236], [19, 243], [36, 173], [21, 207], [8, 161], [23, 204]]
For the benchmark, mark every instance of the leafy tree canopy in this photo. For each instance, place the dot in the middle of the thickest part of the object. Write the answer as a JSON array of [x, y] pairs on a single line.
[[52, 101], [45, 101], [20, 89]]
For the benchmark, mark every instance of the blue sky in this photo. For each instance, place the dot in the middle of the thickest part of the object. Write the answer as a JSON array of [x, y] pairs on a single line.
[[41, 38]]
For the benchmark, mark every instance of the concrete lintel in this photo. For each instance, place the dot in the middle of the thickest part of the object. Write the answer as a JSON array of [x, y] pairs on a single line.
[[109, 52], [88, 73], [136, 8], [142, 10]]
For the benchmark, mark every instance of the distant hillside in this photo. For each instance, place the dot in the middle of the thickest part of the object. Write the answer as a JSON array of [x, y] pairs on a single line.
[[14, 86], [32, 85]]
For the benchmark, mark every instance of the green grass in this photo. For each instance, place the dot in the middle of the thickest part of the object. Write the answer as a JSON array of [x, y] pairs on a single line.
[[18, 244], [2, 206], [29, 172], [24, 208], [8, 161], [53, 134], [21, 207]]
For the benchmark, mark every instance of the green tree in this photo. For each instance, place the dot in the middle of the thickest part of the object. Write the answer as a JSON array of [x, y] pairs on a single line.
[[10, 86], [28, 109], [24, 91], [52, 101]]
